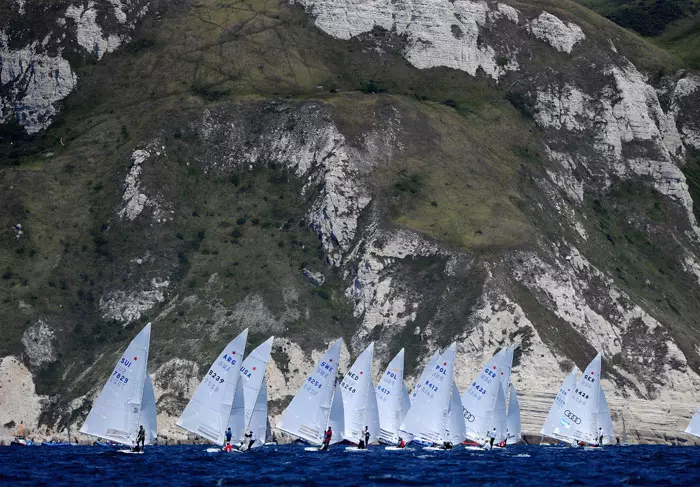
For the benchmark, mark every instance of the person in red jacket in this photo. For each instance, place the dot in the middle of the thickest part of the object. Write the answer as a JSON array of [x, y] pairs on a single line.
[[228, 447], [327, 438]]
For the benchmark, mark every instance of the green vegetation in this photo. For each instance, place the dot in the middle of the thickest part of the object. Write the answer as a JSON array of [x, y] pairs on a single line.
[[673, 25]]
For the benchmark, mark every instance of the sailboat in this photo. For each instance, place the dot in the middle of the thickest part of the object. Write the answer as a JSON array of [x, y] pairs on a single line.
[[253, 377], [625, 439], [360, 399], [694, 425], [316, 403], [605, 421], [127, 400], [218, 402], [565, 389], [578, 420], [513, 427], [426, 420], [392, 400], [484, 402]]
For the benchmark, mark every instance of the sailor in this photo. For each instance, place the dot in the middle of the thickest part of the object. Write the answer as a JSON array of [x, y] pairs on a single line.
[[600, 436], [447, 445], [327, 439], [228, 435], [251, 439], [365, 433], [140, 438], [228, 446], [492, 437], [402, 444], [21, 429]]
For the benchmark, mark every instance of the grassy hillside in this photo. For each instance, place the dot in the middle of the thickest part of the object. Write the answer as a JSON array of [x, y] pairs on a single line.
[[238, 240], [671, 24]]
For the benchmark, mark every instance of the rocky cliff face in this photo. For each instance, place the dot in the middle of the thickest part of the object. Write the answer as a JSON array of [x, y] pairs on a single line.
[[410, 173]]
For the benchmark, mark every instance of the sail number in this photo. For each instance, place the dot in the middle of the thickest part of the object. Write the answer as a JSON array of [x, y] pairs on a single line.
[[383, 390], [314, 382], [432, 386], [126, 362], [120, 377], [589, 379], [216, 376], [348, 387]]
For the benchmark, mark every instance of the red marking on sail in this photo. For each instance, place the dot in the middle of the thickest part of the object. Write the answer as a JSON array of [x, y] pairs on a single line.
[[136, 358], [361, 372], [254, 368], [494, 367], [444, 363]]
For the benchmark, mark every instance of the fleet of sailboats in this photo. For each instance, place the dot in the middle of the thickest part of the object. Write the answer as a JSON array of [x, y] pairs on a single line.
[[231, 400]]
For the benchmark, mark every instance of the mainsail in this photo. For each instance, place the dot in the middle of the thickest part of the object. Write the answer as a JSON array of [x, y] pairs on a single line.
[[253, 371], [359, 398], [578, 418], [513, 418], [390, 399], [257, 423], [427, 418], [307, 416], [336, 419], [214, 406], [126, 400], [480, 399], [147, 417], [456, 431], [694, 425], [552, 419]]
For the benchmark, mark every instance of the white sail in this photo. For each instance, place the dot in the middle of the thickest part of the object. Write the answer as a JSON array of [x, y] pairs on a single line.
[[116, 414], [147, 417], [499, 422], [253, 371], [479, 400], [405, 403], [336, 419], [552, 419], [456, 431], [208, 413], [390, 398], [307, 415], [694, 425], [427, 418], [236, 419], [359, 398], [513, 418], [578, 418], [257, 422], [605, 421]]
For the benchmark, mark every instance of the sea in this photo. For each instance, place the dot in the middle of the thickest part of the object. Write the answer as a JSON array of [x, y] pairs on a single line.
[[291, 465]]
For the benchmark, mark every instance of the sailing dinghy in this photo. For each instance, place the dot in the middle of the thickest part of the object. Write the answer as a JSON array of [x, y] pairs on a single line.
[[253, 370], [312, 408], [565, 389], [360, 400], [484, 401], [392, 398], [579, 420], [513, 427], [127, 400], [218, 402], [426, 420]]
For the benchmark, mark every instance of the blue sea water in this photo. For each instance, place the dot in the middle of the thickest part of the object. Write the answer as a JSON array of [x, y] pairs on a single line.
[[291, 465]]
